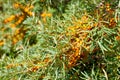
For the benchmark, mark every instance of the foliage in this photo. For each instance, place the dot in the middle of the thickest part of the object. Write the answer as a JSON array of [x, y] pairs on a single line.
[[60, 40]]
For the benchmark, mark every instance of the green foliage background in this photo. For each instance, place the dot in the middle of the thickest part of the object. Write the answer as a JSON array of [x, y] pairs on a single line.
[[19, 61]]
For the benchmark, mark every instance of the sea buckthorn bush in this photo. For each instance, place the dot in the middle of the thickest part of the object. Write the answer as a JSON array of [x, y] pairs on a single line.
[[60, 40]]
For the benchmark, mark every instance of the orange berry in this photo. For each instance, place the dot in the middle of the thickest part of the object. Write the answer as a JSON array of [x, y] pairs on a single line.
[[118, 38], [16, 5], [107, 5], [1, 43], [13, 25], [14, 41], [112, 22], [35, 68], [12, 17], [30, 13], [9, 66]]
